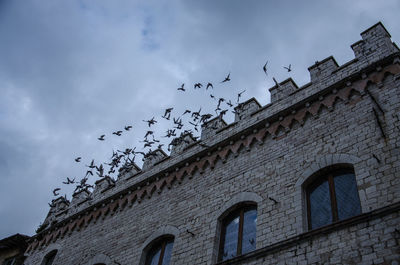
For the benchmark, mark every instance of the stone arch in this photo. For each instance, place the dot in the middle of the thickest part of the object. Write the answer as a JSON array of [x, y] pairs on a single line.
[[238, 199], [51, 248], [320, 163], [242, 197], [167, 230], [100, 259]]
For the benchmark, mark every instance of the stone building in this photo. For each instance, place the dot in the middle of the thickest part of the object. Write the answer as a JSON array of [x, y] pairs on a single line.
[[311, 178]]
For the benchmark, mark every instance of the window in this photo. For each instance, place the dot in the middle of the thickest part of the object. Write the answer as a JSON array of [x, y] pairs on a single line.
[[238, 233], [332, 197], [160, 253], [49, 258]]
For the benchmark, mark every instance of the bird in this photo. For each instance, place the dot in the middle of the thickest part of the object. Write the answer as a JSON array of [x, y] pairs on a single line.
[[127, 128], [92, 165], [118, 133], [78, 159], [69, 181], [151, 121], [148, 133], [276, 82], [89, 172], [55, 191], [265, 68], [167, 113], [212, 96], [227, 78], [181, 88], [186, 111], [288, 68], [101, 138], [197, 85], [240, 94], [229, 103], [209, 85]]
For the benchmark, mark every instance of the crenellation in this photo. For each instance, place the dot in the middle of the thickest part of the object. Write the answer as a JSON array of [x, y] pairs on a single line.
[[283, 90], [322, 69], [245, 109], [182, 142], [210, 128], [152, 158]]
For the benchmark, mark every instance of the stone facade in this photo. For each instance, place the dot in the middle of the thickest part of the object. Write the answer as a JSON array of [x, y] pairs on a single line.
[[347, 114]]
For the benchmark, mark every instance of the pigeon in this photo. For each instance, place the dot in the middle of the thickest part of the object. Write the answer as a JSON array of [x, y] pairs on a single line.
[[151, 121], [288, 68], [209, 85], [118, 133], [227, 78], [265, 68], [197, 85], [181, 88], [55, 191], [78, 159], [69, 181], [127, 128], [101, 138]]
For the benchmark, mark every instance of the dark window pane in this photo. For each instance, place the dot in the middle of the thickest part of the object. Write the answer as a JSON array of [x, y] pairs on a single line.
[[348, 203], [231, 231], [48, 260], [320, 206], [167, 253], [153, 257], [249, 231]]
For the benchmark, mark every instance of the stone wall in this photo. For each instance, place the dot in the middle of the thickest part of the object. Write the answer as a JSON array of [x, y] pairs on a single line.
[[269, 153]]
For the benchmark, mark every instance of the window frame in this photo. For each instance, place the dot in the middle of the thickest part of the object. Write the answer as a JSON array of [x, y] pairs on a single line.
[[162, 241], [50, 255], [238, 211], [328, 174]]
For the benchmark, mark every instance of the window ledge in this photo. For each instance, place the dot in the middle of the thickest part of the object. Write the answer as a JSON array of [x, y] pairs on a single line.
[[314, 233]]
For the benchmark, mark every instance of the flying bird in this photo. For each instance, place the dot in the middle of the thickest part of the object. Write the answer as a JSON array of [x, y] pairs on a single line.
[[186, 111], [55, 191], [92, 165], [276, 82], [265, 68], [181, 88], [209, 85], [240, 94], [69, 181], [101, 138], [127, 128], [229, 103], [227, 78], [167, 113], [197, 85], [288, 68], [118, 133], [150, 122], [78, 159]]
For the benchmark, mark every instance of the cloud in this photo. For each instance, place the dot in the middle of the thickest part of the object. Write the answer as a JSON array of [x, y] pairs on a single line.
[[73, 70]]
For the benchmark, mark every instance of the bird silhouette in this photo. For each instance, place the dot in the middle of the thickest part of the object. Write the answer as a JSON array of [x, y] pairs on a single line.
[[276, 82], [101, 138], [92, 165], [55, 191], [186, 111], [127, 128], [265, 68], [167, 113], [69, 181], [239, 95], [151, 121], [182, 88], [209, 85], [78, 159], [117, 133], [197, 85], [227, 78], [288, 68]]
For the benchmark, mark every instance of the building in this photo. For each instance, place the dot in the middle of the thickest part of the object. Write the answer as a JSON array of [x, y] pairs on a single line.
[[12, 249], [311, 178]]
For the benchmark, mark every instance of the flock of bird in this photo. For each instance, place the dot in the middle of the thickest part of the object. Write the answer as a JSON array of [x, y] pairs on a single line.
[[122, 161]]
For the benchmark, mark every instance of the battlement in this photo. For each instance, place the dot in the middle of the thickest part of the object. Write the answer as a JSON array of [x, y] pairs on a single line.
[[290, 105]]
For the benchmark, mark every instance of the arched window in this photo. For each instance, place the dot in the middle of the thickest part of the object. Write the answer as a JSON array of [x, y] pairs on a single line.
[[160, 252], [238, 232], [333, 196], [49, 258]]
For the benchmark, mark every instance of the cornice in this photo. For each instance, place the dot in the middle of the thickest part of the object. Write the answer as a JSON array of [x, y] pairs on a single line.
[[282, 121]]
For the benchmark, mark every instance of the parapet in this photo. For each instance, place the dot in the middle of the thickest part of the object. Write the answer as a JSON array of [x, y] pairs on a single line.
[[283, 89], [79, 199], [58, 209], [128, 170], [102, 185], [180, 143], [322, 69], [375, 44], [243, 110], [152, 158], [209, 128]]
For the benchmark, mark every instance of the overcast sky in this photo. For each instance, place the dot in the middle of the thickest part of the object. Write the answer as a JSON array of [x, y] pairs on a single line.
[[72, 70]]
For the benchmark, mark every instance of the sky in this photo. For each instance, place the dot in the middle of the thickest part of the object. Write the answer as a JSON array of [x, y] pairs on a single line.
[[73, 70]]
